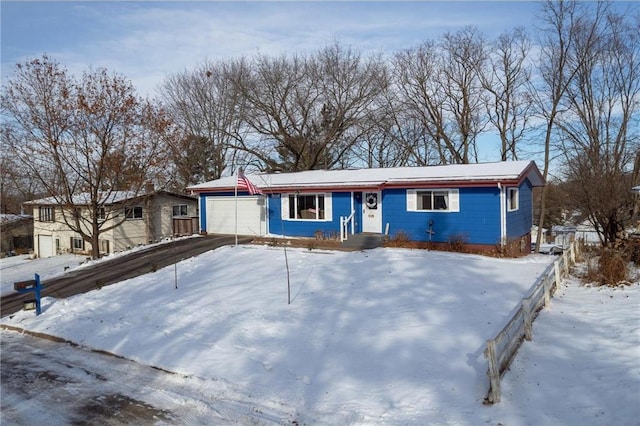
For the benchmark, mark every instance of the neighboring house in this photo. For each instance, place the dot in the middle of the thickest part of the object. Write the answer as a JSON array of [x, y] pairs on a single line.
[[148, 218], [564, 235], [484, 204], [534, 234], [16, 233]]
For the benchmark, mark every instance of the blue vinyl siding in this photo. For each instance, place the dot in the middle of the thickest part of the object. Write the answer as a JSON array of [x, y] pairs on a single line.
[[478, 219], [519, 221], [341, 206]]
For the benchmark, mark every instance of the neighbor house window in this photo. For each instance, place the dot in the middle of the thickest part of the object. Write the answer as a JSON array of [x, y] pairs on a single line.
[[104, 246], [437, 200], [102, 213], [77, 244], [45, 214], [179, 210], [306, 206], [133, 212], [512, 199]]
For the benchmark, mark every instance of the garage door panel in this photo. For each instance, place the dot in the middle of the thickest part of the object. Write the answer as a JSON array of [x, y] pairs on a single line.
[[221, 215], [45, 246]]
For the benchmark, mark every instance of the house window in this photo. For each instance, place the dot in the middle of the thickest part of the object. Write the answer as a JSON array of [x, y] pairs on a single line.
[[440, 200], [45, 214], [306, 206], [179, 210], [102, 213], [433, 200], [133, 212], [104, 246], [77, 244], [512, 199]]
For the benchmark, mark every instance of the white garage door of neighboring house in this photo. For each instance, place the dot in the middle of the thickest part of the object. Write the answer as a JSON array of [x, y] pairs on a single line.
[[221, 215], [45, 246]]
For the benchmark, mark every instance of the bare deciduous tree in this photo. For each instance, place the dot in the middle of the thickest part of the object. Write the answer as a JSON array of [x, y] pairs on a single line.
[[506, 81], [16, 186], [558, 23], [416, 73], [305, 111], [83, 140], [392, 137], [464, 58], [208, 110], [600, 125], [440, 85]]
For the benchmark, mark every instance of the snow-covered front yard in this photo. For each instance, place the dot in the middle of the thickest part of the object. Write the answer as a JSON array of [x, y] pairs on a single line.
[[387, 336], [21, 268]]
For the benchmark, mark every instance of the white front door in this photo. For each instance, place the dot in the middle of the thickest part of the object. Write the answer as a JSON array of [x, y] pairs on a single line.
[[372, 212]]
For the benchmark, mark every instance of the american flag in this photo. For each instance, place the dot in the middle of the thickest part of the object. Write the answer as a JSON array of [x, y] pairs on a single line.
[[245, 183]]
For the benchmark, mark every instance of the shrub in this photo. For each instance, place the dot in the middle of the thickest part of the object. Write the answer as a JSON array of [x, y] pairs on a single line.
[[400, 239], [514, 247], [632, 250], [612, 267], [274, 242], [458, 242], [311, 244]]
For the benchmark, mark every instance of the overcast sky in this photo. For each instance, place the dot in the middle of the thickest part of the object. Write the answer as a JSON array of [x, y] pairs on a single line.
[[146, 41]]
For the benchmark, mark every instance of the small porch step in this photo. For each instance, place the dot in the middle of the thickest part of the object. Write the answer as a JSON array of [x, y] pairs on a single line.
[[363, 241]]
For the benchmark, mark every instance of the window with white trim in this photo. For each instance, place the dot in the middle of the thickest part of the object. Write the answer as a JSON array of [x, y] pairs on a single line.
[[104, 246], [513, 198], [306, 206], [180, 210], [45, 214], [77, 244], [433, 200], [133, 212]]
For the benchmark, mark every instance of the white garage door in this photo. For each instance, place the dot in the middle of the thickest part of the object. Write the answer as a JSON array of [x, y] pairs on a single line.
[[45, 246], [221, 215]]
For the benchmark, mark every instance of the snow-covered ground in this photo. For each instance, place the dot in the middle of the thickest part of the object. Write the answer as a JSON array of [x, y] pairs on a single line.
[[389, 336], [21, 268]]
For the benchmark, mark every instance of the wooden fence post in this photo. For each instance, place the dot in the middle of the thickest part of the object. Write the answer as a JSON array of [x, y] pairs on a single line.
[[547, 290], [556, 266], [526, 313], [494, 372], [572, 253]]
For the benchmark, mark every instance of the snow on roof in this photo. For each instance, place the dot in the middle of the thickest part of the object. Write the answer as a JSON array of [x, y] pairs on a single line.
[[110, 197], [487, 172], [84, 198], [9, 218]]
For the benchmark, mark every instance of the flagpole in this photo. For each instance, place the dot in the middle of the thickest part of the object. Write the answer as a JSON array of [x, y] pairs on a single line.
[[236, 202]]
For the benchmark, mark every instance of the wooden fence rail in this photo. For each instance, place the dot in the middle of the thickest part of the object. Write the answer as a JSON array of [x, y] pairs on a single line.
[[502, 349]]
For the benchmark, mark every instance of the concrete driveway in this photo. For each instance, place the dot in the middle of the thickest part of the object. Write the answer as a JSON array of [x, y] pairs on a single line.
[[111, 271]]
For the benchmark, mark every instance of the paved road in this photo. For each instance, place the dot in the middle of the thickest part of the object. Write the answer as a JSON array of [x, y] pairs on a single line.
[[43, 382], [82, 280]]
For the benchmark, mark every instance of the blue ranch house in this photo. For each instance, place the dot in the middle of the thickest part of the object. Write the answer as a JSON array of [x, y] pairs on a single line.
[[483, 204]]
